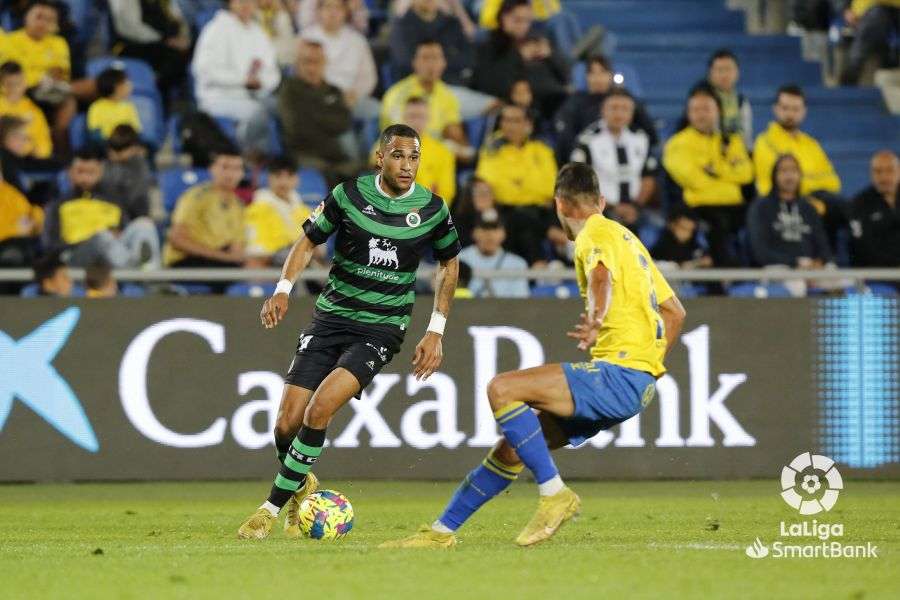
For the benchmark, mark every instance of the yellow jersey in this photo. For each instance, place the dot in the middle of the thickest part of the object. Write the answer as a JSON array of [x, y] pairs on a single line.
[[40, 145], [105, 115], [632, 334], [37, 56], [273, 223], [82, 218], [443, 105], [213, 218], [519, 175]]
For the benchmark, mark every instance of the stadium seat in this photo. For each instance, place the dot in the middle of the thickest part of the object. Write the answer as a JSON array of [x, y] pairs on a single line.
[[174, 182], [568, 289], [626, 75], [752, 289], [252, 290], [475, 130], [78, 133], [132, 290], [153, 129], [31, 291]]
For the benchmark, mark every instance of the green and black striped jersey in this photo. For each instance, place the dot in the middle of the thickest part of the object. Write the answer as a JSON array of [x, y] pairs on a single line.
[[380, 242]]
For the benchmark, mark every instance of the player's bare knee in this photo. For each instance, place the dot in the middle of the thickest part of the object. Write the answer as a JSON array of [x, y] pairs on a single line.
[[499, 391], [318, 414], [284, 430]]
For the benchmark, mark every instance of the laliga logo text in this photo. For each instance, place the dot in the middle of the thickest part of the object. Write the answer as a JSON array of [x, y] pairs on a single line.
[[811, 484]]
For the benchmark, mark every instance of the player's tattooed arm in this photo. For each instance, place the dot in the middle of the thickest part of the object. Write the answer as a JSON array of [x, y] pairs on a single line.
[[276, 307], [429, 352], [673, 315], [599, 299]]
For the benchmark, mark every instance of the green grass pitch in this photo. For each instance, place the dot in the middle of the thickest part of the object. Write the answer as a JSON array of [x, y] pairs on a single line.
[[642, 540]]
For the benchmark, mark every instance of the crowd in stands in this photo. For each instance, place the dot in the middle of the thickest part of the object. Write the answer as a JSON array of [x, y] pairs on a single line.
[[255, 90]]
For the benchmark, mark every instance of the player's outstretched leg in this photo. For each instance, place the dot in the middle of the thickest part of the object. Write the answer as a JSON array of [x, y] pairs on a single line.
[[511, 396], [484, 482], [335, 391], [294, 401]]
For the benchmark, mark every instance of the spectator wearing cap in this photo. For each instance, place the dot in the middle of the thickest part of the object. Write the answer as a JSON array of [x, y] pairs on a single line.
[[126, 171], [326, 142], [208, 227], [784, 227], [156, 32], [349, 63], [487, 253], [582, 108], [710, 168], [476, 198], [679, 244], [114, 106], [514, 51], [875, 216], [16, 103], [722, 74], [52, 276], [425, 21], [621, 157], [90, 224], [445, 112], [236, 72]]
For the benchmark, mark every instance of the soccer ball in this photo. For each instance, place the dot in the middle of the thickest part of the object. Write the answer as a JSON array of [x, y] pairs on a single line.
[[326, 515]]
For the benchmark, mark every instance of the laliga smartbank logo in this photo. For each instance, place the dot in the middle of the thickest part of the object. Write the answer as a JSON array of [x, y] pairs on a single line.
[[811, 484]]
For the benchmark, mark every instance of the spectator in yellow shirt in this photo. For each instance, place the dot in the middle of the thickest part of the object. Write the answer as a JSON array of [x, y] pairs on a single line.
[[275, 216], [113, 108], [710, 168], [784, 137], [437, 165], [14, 102], [425, 82], [522, 173], [21, 224], [543, 10]]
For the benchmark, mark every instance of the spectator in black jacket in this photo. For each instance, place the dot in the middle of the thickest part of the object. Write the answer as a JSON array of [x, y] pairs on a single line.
[[582, 109], [679, 244], [784, 227], [153, 31], [424, 21], [875, 216], [127, 172], [514, 52]]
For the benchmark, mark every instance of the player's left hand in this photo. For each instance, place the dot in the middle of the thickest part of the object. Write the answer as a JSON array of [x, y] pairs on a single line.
[[585, 332], [428, 356]]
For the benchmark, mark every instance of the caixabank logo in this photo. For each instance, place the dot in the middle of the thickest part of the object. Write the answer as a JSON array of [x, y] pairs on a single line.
[[31, 379], [811, 484]]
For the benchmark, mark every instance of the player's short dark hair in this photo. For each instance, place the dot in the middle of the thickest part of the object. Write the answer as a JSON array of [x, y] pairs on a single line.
[[790, 89], [10, 67], [97, 274], [46, 266], [282, 164], [599, 59], [108, 80], [719, 54], [8, 124], [577, 182], [124, 136], [396, 130]]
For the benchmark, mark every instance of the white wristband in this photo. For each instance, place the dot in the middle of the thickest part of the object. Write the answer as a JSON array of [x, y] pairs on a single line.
[[437, 323], [284, 287]]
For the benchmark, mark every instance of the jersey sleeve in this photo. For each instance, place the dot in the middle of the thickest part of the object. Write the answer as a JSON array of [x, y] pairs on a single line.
[[595, 249], [323, 221], [445, 239]]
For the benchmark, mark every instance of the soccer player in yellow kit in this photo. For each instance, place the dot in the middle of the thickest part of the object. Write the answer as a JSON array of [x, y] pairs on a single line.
[[632, 319]]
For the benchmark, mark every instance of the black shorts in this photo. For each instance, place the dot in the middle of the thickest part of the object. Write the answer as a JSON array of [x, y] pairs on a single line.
[[320, 351]]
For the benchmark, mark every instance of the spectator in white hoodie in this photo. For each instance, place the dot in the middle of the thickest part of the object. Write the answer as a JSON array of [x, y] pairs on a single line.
[[349, 62], [236, 70]]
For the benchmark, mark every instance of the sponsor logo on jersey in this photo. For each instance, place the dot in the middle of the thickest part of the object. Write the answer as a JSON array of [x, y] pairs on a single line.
[[382, 254]]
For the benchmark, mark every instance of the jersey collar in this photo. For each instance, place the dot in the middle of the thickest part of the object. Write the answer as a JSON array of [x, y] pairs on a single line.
[[407, 194]]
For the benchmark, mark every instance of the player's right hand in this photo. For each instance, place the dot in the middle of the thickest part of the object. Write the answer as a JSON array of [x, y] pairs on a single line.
[[585, 332], [273, 310]]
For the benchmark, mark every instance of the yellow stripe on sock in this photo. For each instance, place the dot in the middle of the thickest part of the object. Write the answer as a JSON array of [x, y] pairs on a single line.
[[509, 415], [517, 468], [507, 409], [490, 467]]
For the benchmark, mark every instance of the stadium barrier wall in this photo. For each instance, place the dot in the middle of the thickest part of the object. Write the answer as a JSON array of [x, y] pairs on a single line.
[[188, 388]]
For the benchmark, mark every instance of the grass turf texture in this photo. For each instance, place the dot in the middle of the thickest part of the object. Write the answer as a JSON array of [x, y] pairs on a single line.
[[653, 540]]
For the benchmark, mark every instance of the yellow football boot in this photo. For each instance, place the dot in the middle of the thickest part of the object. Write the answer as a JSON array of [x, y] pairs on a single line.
[[552, 512], [257, 526], [292, 508], [426, 537]]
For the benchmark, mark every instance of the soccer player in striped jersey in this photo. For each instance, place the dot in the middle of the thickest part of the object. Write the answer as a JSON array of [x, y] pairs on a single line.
[[384, 224], [632, 319]]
